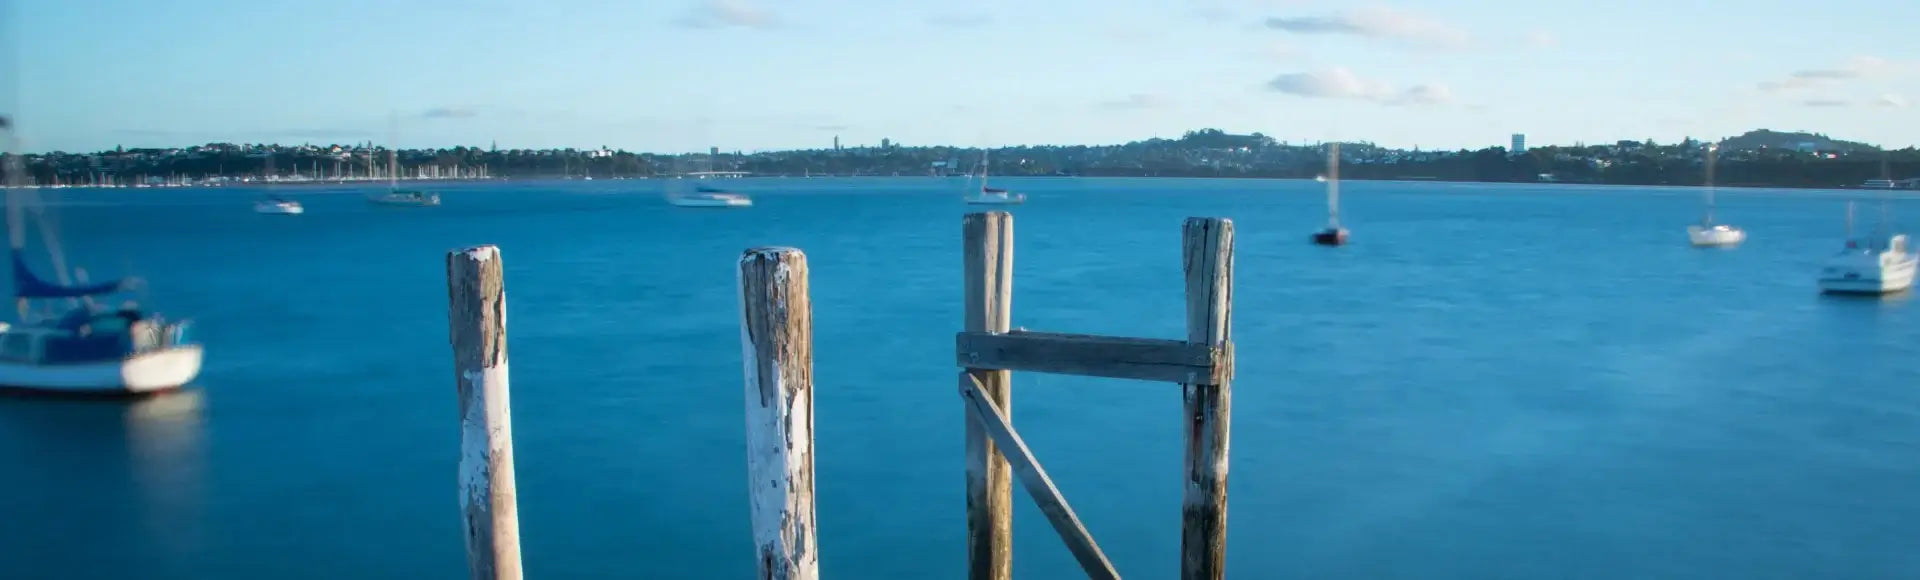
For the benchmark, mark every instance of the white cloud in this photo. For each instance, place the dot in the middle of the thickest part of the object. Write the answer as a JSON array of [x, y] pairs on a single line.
[[725, 13], [1825, 103], [1383, 23], [1892, 101], [1334, 83], [1340, 83], [1138, 101], [1857, 67]]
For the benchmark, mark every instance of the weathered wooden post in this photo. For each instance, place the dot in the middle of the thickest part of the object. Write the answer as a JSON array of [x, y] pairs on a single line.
[[989, 296], [1208, 262], [477, 317], [776, 340]]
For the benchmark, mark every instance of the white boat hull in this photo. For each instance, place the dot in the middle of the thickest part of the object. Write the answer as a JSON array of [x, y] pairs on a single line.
[[145, 373], [1885, 280], [1715, 236], [279, 209], [708, 202], [998, 200]]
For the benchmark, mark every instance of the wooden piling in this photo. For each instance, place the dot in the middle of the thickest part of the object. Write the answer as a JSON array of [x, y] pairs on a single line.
[[477, 318], [989, 297], [1208, 263], [776, 341]]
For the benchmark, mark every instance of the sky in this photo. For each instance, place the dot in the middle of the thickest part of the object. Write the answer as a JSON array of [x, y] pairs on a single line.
[[682, 75]]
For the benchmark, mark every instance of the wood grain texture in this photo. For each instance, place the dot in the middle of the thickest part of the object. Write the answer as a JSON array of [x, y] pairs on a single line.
[[1146, 359], [1208, 262], [776, 341], [988, 243], [1034, 478], [477, 320]]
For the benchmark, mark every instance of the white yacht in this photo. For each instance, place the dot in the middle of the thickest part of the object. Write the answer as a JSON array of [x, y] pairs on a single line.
[[1868, 267], [1709, 234]]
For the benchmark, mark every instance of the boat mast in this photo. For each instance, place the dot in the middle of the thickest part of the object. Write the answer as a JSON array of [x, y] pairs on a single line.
[[1849, 221], [16, 222], [1333, 185], [983, 168], [1708, 220], [393, 152]]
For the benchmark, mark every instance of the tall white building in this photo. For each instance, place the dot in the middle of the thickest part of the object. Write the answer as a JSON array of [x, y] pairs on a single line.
[[1519, 144]]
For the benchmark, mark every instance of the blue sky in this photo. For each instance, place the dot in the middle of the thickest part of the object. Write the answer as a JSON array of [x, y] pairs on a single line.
[[677, 75]]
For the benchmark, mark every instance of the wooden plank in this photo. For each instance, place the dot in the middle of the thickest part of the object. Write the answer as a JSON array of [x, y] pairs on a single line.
[[1208, 262], [1146, 359], [477, 320], [776, 342], [1035, 479], [988, 241]]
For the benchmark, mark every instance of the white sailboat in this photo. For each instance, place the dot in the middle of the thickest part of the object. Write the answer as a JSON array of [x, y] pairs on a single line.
[[394, 195], [1707, 233], [278, 206], [992, 195], [1869, 267], [1334, 235], [704, 195], [71, 345]]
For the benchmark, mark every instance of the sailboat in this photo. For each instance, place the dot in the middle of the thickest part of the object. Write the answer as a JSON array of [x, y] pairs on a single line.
[[1334, 235], [1709, 234], [394, 195], [279, 206], [705, 195], [276, 205], [993, 195], [1868, 267], [72, 345]]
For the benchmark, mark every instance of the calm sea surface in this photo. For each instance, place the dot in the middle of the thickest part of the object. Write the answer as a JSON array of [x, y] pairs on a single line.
[[1492, 382]]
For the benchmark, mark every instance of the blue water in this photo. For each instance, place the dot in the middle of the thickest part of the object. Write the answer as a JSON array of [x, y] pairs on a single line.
[[1493, 381]]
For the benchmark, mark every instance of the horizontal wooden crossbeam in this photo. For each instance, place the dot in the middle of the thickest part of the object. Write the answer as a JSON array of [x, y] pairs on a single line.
[[1146, 359]]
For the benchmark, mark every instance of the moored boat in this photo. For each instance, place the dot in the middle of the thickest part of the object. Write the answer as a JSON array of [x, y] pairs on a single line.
[[74, 346], [704, 196], [278, 206], [1869, 267]]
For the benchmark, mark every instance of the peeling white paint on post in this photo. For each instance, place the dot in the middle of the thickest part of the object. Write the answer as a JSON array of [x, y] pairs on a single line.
[[988, 239], [477, 318], [1208, 262], [776, 343]]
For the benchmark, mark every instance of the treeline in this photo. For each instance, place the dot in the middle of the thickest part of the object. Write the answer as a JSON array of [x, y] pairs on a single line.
[[1202, 153]]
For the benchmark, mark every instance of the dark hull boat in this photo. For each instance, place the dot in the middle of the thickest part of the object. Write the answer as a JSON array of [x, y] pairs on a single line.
[[1334, 235], [1331, 237]]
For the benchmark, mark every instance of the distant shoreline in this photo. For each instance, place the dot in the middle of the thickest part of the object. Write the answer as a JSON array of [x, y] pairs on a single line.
[[381, 184]]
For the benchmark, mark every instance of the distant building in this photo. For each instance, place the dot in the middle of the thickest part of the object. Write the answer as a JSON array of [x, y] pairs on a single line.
[[836, 142], [713, 151], [1519, 144], [886, 143]]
